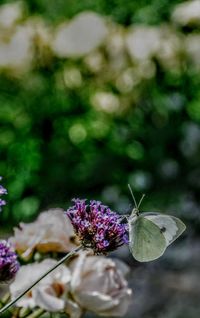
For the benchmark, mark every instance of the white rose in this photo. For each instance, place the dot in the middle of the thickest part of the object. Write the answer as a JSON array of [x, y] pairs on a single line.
[[49, 293], [98, 285], [51, 232]]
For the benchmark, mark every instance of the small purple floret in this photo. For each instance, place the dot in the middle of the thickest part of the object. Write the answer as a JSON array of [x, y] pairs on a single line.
[[2, 192], [8, 262], [97, 226]]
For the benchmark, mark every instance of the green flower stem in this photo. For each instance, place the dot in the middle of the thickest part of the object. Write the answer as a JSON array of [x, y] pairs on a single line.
[[4, 300], [37, 313], [66, 257], [24, 312]]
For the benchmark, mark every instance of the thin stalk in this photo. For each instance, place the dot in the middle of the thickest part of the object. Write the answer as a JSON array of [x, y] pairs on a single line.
[[66, 257], [36, 314]]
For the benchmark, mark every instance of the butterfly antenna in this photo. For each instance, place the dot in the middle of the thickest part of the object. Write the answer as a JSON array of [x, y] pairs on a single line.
[[133, 197], [141, 200]]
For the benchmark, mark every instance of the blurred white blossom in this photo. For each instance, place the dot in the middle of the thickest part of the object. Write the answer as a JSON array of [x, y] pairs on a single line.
[[143, 42], [72, 77], [192, 49], [16, 52], [95, 61], [106, 102], [169, 169], [187, 12], [77, 133], [142, 180], [116, 49], [146, 69], [80, 36], [171, 46], [42, 38], [111, 194], [190, 143], [127, 80], [10, 13]]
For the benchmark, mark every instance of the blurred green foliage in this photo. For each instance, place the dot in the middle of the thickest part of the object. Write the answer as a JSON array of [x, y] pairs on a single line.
[[142, 11], [54, 145]]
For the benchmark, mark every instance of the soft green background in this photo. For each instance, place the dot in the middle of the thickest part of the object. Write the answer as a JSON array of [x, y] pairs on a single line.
[[54, 145]]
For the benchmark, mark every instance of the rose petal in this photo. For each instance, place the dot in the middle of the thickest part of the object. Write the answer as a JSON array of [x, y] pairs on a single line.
[[45, 298]]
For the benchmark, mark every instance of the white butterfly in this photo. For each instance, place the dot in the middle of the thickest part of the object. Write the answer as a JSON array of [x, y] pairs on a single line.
[[151, 233]]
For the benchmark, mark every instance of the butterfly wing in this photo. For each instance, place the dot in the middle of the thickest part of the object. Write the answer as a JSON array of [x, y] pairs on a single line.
[[146, 240], [170, 226]]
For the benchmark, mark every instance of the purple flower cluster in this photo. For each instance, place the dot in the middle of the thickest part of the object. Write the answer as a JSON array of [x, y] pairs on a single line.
[[8, 262], [2, 192], [97, 227]]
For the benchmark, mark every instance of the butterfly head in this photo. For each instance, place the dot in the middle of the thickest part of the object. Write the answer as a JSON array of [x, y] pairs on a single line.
[[135, 212]]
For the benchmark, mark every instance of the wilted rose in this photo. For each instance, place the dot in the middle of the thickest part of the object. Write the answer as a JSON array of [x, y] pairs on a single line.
[[51, 232], [99, 285], [49, 293]]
